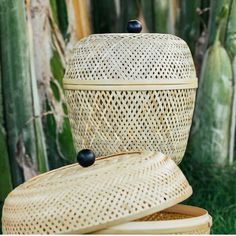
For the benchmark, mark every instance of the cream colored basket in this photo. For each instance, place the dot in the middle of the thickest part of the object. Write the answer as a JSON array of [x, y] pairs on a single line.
[[128, 92], [179, 219], [113, 191]]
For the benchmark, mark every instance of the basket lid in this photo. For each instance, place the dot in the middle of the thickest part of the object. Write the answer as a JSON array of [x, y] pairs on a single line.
[[131, 58], [114, 190]]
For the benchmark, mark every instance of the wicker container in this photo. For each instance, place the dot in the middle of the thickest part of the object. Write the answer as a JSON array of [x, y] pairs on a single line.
[[114, 191], [128, 92], [179, 219]]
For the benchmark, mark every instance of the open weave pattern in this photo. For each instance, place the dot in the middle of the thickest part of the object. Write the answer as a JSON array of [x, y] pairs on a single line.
[[108, 122], [112, 191], [131, 57]]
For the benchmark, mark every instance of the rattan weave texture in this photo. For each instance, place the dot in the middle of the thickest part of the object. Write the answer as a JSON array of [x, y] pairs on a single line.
[[117, 121], [131, 57], [113, 191], [128, 92]]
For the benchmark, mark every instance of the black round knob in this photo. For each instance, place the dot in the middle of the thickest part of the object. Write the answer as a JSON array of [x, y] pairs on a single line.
[[134, 26], [86, 157]]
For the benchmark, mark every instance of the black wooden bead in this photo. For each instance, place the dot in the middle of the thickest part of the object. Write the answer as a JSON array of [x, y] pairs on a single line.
[[86, 157], [134, 26]]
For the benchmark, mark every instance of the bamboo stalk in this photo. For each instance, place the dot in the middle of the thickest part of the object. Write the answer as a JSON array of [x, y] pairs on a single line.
[[189, 22], [233, 117], [210, 133], [164, 16], [106, 16], [5, 180], [231, 30], [17, 90], [49, 64], [231, 49], [42, 161], [215, 8], [148, 13], [205, 9], [129, 10], [111, 16], [83, 19]]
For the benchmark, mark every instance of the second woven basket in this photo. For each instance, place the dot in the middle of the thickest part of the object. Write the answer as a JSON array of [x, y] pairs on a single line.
[[128, 92]]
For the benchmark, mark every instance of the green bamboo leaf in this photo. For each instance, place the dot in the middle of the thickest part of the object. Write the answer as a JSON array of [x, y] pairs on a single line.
[[54, 158], [65, 137], [59, 13], [53, 6], [59, 139], [62, 18]]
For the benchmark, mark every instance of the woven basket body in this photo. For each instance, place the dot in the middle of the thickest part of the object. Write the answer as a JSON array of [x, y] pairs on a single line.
[[128, 92], [179, 219], [113, 191]]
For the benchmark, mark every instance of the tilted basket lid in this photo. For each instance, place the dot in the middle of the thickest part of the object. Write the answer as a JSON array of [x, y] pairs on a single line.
[[113, 191], [131, 59]]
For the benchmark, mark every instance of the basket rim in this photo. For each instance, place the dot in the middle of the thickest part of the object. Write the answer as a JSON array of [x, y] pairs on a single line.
[[105, 84], [203, 220], [126, 34]]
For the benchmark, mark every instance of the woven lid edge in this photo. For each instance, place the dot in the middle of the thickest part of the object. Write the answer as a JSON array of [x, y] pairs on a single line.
[[136, 216]]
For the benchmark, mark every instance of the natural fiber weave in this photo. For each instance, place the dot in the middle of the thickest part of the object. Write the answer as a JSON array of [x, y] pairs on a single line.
[[114, 190], [128, 92], [117, 121], [179, 219], [163, 215]]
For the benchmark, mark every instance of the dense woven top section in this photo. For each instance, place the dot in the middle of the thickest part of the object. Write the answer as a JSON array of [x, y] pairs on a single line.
[[131, 57], [114, 190]]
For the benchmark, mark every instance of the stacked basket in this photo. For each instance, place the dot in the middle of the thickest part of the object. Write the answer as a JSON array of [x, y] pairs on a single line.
[[131, 94]]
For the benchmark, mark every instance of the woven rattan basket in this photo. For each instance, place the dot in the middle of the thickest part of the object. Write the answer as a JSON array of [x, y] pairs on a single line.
[[128, 92], [113, 191], [179, 219]]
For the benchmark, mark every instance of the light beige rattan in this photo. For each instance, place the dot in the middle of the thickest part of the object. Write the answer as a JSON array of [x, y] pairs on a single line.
[[128, 92], [113, 191], [179, 219]]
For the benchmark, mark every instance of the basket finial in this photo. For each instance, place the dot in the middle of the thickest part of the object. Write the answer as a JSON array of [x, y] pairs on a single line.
[[134, 26]]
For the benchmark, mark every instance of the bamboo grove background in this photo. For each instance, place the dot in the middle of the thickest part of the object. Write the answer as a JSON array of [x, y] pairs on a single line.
[[36, 39]]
